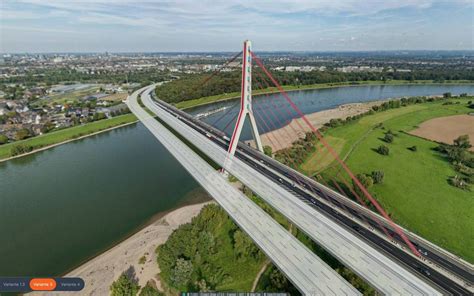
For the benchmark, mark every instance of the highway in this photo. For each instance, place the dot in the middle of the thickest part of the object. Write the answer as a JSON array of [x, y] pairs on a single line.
[[301, 266], [375, 267], [418, 266], [445, 260]]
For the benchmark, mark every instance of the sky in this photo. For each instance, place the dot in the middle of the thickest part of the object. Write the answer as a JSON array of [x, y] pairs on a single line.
[[201, 25]]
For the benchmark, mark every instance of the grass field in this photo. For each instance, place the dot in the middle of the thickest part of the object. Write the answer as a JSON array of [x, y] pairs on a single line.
[[71, 96], [415, 189], [67, 134], [228, 96]]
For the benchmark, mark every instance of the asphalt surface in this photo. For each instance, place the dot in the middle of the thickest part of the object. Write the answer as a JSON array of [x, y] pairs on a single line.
[[384, 274], [307, 271], [265, 166]]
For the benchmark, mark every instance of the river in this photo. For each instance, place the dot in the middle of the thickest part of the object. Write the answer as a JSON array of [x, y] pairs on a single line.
[[64, 205], [310, 101]]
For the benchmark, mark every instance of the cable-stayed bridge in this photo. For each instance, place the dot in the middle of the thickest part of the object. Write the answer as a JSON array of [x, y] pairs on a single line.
[[390, 258]]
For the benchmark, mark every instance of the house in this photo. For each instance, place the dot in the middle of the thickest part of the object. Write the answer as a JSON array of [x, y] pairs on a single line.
[[3, 108]]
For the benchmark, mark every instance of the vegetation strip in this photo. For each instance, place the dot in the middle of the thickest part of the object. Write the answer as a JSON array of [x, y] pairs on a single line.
[[49, 140]]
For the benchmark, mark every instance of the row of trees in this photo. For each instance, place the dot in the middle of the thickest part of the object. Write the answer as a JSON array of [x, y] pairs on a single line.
[[462, 160], [61, 75], [193, 86]]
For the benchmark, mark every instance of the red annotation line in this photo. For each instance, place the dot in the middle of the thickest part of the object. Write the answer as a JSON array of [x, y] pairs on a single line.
[[324, 153], [286, 151], [336, 156]]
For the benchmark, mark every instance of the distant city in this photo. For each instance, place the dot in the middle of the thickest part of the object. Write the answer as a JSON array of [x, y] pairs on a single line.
[[98, 82]]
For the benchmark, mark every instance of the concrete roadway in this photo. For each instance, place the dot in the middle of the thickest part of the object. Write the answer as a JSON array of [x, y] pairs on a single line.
[[304, 269], [382, 272], [439, 267]]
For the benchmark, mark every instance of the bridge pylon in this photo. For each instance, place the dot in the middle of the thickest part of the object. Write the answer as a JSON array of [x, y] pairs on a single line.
[[245, 103]]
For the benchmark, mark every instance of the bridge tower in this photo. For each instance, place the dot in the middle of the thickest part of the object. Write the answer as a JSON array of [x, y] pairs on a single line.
[[245, 103]]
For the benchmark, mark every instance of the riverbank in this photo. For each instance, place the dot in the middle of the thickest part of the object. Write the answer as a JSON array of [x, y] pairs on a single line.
[[137, 254], [290, 88], [297, 128], [53, 139]]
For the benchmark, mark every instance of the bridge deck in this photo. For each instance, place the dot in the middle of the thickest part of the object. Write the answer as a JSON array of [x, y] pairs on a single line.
[[382, 272], [307, 271]]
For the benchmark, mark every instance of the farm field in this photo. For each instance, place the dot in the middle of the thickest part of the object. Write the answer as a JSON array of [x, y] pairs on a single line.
[[415, 190], [446, 129]]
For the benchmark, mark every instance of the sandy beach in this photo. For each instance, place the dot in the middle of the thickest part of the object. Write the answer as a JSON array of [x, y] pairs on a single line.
[[100, 272], [297, 128]]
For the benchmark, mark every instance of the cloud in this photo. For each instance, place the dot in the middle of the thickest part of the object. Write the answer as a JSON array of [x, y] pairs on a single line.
[[211, 25]]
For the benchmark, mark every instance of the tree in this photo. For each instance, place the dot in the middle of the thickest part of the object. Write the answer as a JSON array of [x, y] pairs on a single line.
[[278, 280], [181, 273], [458, 182], [366, 182], [124, 286], [377, 177], [22, 134], [388, 138], [447, 95], [243, 245], [384, 150], [149, 290], [267, 150], [462, 142], [20, 149], [3, 139]]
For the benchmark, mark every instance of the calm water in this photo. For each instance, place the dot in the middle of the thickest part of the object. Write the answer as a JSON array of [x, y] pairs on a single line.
[[309, 101], [62, 206]]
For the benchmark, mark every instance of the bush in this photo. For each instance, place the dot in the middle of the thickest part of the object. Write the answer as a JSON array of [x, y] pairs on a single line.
[[3, 139], [383, 150], [388, 138], [22, 134], [268, 150], [447, 95], [20, 149], [366, 182], [232, 179], [378, 176], [413, 148], [142, 260], [459, 182], [181, 273], [124, 286], [149, 290]]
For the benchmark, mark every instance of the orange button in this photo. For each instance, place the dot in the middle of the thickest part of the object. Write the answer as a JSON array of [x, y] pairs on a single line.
[[42, 284]]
